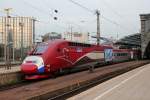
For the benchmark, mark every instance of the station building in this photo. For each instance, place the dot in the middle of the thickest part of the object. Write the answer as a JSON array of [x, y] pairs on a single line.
[[51, 36], [14, 30]]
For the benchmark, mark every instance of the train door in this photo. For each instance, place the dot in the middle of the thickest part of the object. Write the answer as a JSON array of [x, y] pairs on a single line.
[[131, 54]]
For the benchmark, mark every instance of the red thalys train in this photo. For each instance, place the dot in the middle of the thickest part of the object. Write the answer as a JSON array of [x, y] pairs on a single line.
[[53, 56]]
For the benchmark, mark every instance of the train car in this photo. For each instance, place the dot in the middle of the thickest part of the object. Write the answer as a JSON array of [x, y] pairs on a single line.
[[54, 56]]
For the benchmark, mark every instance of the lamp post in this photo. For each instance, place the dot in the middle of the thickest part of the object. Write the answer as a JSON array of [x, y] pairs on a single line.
[[21, 27], [7, 45]]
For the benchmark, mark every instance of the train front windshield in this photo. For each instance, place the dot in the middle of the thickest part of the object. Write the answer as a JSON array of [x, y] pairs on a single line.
[[40, 49]]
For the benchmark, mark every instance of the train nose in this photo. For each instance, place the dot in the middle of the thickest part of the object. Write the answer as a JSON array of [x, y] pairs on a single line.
[[29, 68]]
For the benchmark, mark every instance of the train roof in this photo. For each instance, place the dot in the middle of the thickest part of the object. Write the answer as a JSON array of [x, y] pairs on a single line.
[[58, 41]]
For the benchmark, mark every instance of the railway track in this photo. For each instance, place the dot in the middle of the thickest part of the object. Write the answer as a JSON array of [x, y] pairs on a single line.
[[17, 85], [24, 82], [12, 65], [66, 86]]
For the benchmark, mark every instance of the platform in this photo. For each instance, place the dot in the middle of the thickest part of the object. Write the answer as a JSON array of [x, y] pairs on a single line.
[[13, 69], [13, 63], [133, 85]]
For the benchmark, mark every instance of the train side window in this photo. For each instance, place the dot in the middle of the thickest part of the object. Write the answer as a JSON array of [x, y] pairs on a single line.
[[58, 49], [79, 44], [125, 54], [114, 54]]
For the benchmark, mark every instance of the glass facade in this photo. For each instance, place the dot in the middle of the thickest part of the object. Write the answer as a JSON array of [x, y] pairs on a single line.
[[15, 33]]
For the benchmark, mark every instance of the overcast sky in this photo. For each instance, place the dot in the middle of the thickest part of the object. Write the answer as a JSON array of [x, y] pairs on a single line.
[[118, 16]]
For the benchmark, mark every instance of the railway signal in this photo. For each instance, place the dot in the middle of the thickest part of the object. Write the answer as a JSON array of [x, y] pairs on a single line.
[[56, 11]]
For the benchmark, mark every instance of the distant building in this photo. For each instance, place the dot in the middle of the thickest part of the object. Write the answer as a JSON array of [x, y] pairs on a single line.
[[77, 37], [38, 39], [145, 23], [51, 36], [11, 29]]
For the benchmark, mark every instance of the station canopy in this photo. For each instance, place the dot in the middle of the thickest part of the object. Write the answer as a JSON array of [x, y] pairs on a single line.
[[130, 41]]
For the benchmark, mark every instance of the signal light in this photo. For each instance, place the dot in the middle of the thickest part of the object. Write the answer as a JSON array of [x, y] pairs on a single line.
[[55, 18], [56, 11]]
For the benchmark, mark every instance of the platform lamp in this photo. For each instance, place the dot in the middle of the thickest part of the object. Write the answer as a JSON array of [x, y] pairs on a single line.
[[21, 27]]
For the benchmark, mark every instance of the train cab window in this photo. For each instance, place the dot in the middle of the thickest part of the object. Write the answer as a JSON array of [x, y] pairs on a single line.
[[40, 49]]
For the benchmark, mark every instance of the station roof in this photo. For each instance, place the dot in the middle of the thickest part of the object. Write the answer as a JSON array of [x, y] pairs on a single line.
[[133, 40]]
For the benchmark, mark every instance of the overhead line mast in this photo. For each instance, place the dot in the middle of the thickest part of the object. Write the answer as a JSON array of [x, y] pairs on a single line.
[[98, 26], [98, 18], [7, 40]]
